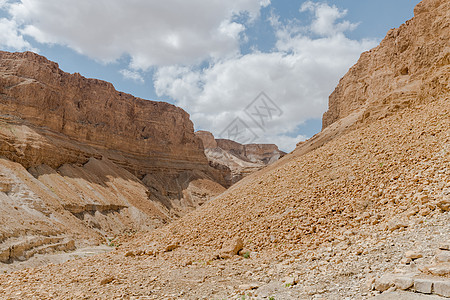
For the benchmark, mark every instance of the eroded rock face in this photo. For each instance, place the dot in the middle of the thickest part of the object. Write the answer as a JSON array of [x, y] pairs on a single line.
[[409, 67], [101, 162], [236, 161], [151, 134]]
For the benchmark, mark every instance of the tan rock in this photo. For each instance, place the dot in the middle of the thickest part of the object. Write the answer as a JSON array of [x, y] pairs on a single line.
[[106, 280], [444, 204], [236, 161], [171, 247], [231, 248], [207, 138], [443, 256], [384, 282], [413, 254], [440, 269], [423, 286], [102, 161], [442, 288], [403, 282], [248, 287]]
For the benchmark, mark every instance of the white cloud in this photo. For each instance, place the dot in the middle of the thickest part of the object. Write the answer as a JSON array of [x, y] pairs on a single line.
[[298, 75], [326, 16], [132, 75], [10, 37], [151, 33]]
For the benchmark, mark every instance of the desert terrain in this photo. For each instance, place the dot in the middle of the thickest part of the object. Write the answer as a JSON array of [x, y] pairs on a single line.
[[359, 211]]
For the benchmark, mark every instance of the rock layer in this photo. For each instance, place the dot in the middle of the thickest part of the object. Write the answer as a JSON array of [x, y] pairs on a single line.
[[409, 67], [100, 159], [236, 161]]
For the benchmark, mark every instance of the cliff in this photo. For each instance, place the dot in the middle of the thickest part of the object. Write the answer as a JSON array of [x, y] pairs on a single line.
[[100, 159], [236, 161], [409, 67]]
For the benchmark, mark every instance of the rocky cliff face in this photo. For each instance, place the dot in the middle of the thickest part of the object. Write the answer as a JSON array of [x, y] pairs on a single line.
[[409, 67], [236, 161], [149, 135], [100, 159]]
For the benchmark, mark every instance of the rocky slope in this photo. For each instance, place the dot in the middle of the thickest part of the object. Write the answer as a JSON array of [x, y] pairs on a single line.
[[409, 67], [236, 161], [327, 221], [82, 160]]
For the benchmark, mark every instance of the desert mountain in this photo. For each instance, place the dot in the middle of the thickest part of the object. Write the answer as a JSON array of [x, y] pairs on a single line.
[[361, 208], [80, 160], [234, 160]]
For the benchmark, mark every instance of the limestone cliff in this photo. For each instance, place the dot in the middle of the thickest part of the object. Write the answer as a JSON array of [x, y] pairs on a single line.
[[409, 67], [236, 161], [102, 162]]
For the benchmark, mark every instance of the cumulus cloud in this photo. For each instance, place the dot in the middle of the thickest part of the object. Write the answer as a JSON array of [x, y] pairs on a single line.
[[11, 38], [132, 75], [325, 22], [298, 76], [150, 33]]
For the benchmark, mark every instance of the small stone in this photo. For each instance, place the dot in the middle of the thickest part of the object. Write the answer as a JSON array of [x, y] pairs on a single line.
[[423, 286], [248, 287], [290, 280], [129, 254], [441, 269], [231, 248], [405, 261], [413, 255], [403, 282], [444, 204], [425, 212], [391, 290], [422, 198], [443, 256], [445, 247], [442, 288], [106, 280], [396, 224], [171, 247], [384, 283], [370, 283]]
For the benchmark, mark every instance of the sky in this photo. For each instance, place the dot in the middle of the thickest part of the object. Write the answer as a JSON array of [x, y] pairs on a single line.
[[255, 71]]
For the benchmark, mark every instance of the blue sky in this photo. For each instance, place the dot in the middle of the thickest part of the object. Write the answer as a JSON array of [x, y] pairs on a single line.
[[210, 57]]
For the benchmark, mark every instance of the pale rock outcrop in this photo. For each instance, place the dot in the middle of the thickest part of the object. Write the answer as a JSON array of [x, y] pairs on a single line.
[[236, 161]]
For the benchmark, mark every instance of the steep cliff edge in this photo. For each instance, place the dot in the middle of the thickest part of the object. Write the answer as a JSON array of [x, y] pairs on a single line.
[[409, 67], [101, 160], [236, 161]]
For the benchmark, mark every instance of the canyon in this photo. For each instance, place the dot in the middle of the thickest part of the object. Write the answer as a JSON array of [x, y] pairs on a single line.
[[359, 211], [236, 161], [81, 161]]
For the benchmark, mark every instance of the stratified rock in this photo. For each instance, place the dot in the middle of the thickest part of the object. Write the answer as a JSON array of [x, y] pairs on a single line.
[[80, 158], [207, 138], [409, 67], [236, 161]]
